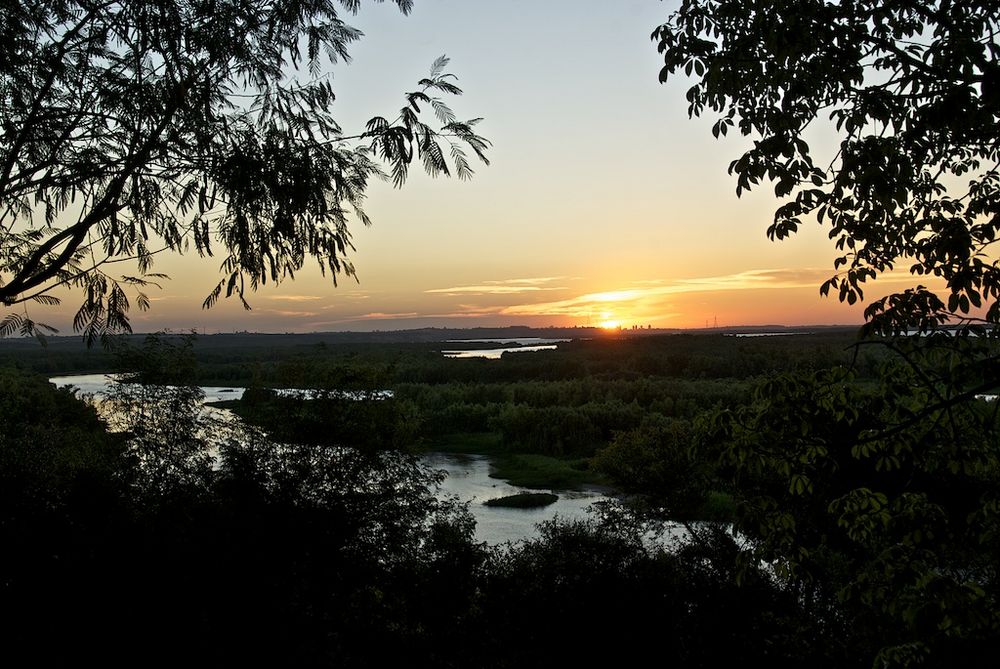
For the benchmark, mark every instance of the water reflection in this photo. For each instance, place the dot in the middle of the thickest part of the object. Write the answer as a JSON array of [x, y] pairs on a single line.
[[467, 476], [98, 384], [507, 345], [495, 353], [468, 479]]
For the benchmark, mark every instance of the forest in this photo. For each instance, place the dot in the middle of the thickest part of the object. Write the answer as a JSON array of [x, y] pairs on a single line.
[[316, 530]]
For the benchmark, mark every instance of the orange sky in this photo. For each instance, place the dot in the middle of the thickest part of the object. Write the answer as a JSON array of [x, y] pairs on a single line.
[[604, 202]]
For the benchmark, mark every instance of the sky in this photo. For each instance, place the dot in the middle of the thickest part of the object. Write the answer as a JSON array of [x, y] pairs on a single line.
[[604, 203]]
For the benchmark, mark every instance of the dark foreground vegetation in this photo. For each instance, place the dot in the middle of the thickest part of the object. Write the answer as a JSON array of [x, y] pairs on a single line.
[[130, 547], [866, 509]]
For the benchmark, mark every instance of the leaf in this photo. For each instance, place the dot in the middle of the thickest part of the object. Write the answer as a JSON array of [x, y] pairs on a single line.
[[437, 67], [46, 299], [10, 324], [442, 111]]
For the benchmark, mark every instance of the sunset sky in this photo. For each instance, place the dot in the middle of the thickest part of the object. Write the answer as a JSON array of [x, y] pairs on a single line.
[[604, 202]]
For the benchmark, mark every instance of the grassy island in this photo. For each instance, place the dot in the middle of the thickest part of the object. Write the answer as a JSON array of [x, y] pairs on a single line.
[[524, 500]]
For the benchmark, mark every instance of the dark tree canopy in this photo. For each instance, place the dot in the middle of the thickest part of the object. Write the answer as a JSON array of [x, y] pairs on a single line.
[[133, 128], [876, 499], [912, 89]]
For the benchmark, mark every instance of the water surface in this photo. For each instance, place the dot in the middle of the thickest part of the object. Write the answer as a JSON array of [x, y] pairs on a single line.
[[467, 477], [507, 345]]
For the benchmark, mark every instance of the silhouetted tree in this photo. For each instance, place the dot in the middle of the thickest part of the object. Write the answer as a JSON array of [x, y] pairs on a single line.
[[878, 500], [911, 91], [131, 128]]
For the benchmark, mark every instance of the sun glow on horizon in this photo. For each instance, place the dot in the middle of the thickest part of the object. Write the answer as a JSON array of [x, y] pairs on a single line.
[[611, 325]]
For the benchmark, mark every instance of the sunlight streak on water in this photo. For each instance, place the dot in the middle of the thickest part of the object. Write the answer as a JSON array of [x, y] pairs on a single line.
[[495, 353]]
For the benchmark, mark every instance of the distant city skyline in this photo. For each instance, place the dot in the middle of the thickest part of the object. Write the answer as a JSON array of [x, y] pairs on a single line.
[[604, 205]]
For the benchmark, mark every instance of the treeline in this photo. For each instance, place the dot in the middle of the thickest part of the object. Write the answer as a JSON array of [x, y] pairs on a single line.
[[570, 404], [673, 356], [567, 402], [308, 361], [558, 418]]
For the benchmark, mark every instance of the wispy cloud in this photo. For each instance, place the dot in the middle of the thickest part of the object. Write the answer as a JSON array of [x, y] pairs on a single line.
[[295, 298], [283, 313], [485, 290], [503, 286], [371, 316], [525, 299], [338, 300], [534, 281], [382, 315], [355, 295], [469, 311], [753, 279], [648, 298], [289, 313], [475, 309]]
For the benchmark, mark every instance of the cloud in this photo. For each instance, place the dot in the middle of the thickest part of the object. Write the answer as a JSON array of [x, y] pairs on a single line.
[[371, 316], [534, 281], [474, 309], [752, 279], [381, 315], [648, 300], [485, 290], [503, 286], [288, 313], [469, 311], [355, 295], [294, 298], [284, 313]]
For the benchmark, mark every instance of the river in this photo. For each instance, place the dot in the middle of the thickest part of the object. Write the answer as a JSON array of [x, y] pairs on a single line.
[[467, 478], [512, 345]]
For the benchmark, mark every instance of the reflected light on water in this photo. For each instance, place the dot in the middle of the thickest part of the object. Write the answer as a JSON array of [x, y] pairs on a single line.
[[495, 353]]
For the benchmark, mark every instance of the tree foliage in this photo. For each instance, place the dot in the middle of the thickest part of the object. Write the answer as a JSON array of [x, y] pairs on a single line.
[[598, 592], [117, 543], [876, 499], [911, 90], [880, 503], [656, 460], [134, 128], [163, 419]]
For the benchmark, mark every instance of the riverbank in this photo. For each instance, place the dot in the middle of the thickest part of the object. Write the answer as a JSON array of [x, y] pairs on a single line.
[[523, 470]]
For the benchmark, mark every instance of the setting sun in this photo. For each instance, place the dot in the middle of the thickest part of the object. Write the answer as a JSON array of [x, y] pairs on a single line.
[[611, 325]]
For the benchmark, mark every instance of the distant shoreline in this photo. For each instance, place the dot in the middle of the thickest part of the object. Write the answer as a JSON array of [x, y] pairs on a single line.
[[435, 335]]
